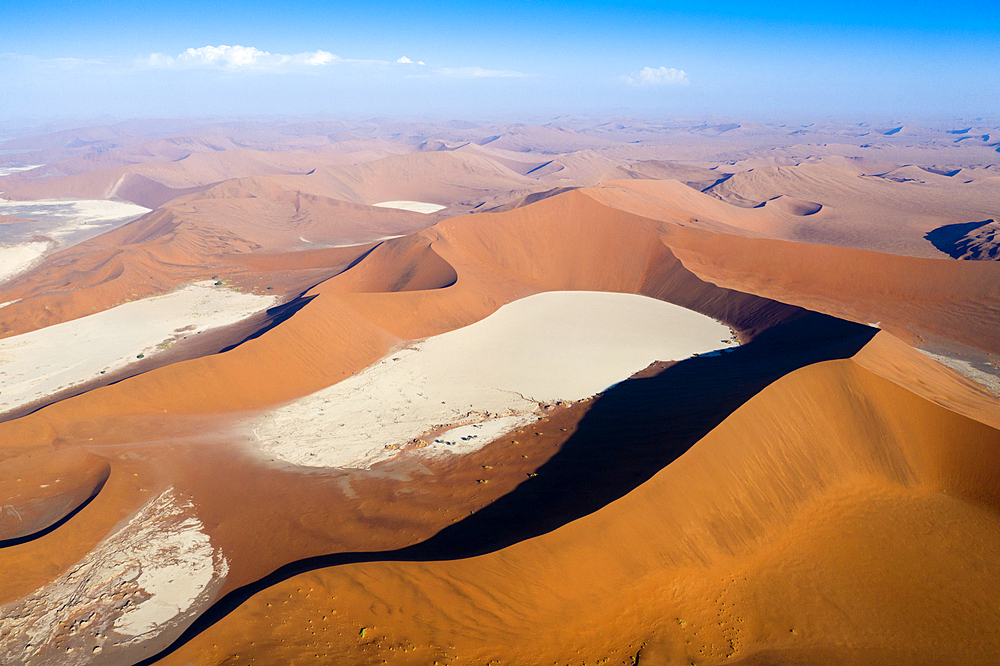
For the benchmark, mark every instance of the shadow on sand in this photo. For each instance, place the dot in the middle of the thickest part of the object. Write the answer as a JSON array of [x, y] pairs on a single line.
[[631, 432]]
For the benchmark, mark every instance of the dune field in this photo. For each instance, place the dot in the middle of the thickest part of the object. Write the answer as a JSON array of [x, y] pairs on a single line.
[[456, 393]]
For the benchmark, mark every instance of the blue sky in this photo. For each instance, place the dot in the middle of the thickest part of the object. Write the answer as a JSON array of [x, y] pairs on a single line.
[[502, 60]]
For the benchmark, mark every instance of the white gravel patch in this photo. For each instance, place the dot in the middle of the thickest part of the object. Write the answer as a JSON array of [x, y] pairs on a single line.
[[72, 214], [965, 368], [545, 348], [147, 577], [40, 363], [55, 224], [472, 437]]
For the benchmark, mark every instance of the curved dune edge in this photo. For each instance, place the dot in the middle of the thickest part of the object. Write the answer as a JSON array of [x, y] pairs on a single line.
[[913, 298], [894, 360], [727, 550], [792, 206], [43, 488], [340, 331]]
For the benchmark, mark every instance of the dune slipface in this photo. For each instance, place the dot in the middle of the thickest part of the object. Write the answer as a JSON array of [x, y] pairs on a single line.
[[454, 393]]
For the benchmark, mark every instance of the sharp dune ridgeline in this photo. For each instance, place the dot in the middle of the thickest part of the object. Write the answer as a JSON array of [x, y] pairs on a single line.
[[414, 393]]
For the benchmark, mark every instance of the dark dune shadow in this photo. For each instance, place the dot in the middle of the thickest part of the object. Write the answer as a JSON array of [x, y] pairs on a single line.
[[275, 316], [637, 428], [631, 432], [953, 239]]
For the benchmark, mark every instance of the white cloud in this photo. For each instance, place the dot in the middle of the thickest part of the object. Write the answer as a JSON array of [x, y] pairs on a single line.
[[318, 58], [236, 58], [478, 73], [662, 76], [229, 56], [404, 61]]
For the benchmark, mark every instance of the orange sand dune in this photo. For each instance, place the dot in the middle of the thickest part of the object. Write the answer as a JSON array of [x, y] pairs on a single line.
[[337, 332], [582, 167], [521, 163], [725, 555], [186, 242], [151, 184], [496, 260], [911, 297], [873, 212], [42, 489], [449, 178], [641, 558], [792, 206], [699, 178]]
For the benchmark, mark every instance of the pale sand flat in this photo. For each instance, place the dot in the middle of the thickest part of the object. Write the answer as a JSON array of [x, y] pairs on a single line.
[[965, 368], [63, 222], [72, 214], [544, 348], [15, 259], [43, 362], [414, 206], [6, 171]]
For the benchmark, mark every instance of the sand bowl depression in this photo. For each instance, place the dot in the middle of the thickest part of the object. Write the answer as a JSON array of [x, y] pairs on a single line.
[[474, 384]]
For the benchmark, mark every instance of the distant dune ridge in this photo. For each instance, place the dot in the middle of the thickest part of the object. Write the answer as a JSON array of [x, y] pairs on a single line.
[[350, 439]]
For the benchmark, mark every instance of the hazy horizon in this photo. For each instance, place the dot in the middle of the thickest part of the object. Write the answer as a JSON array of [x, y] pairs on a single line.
[[451, 60]]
